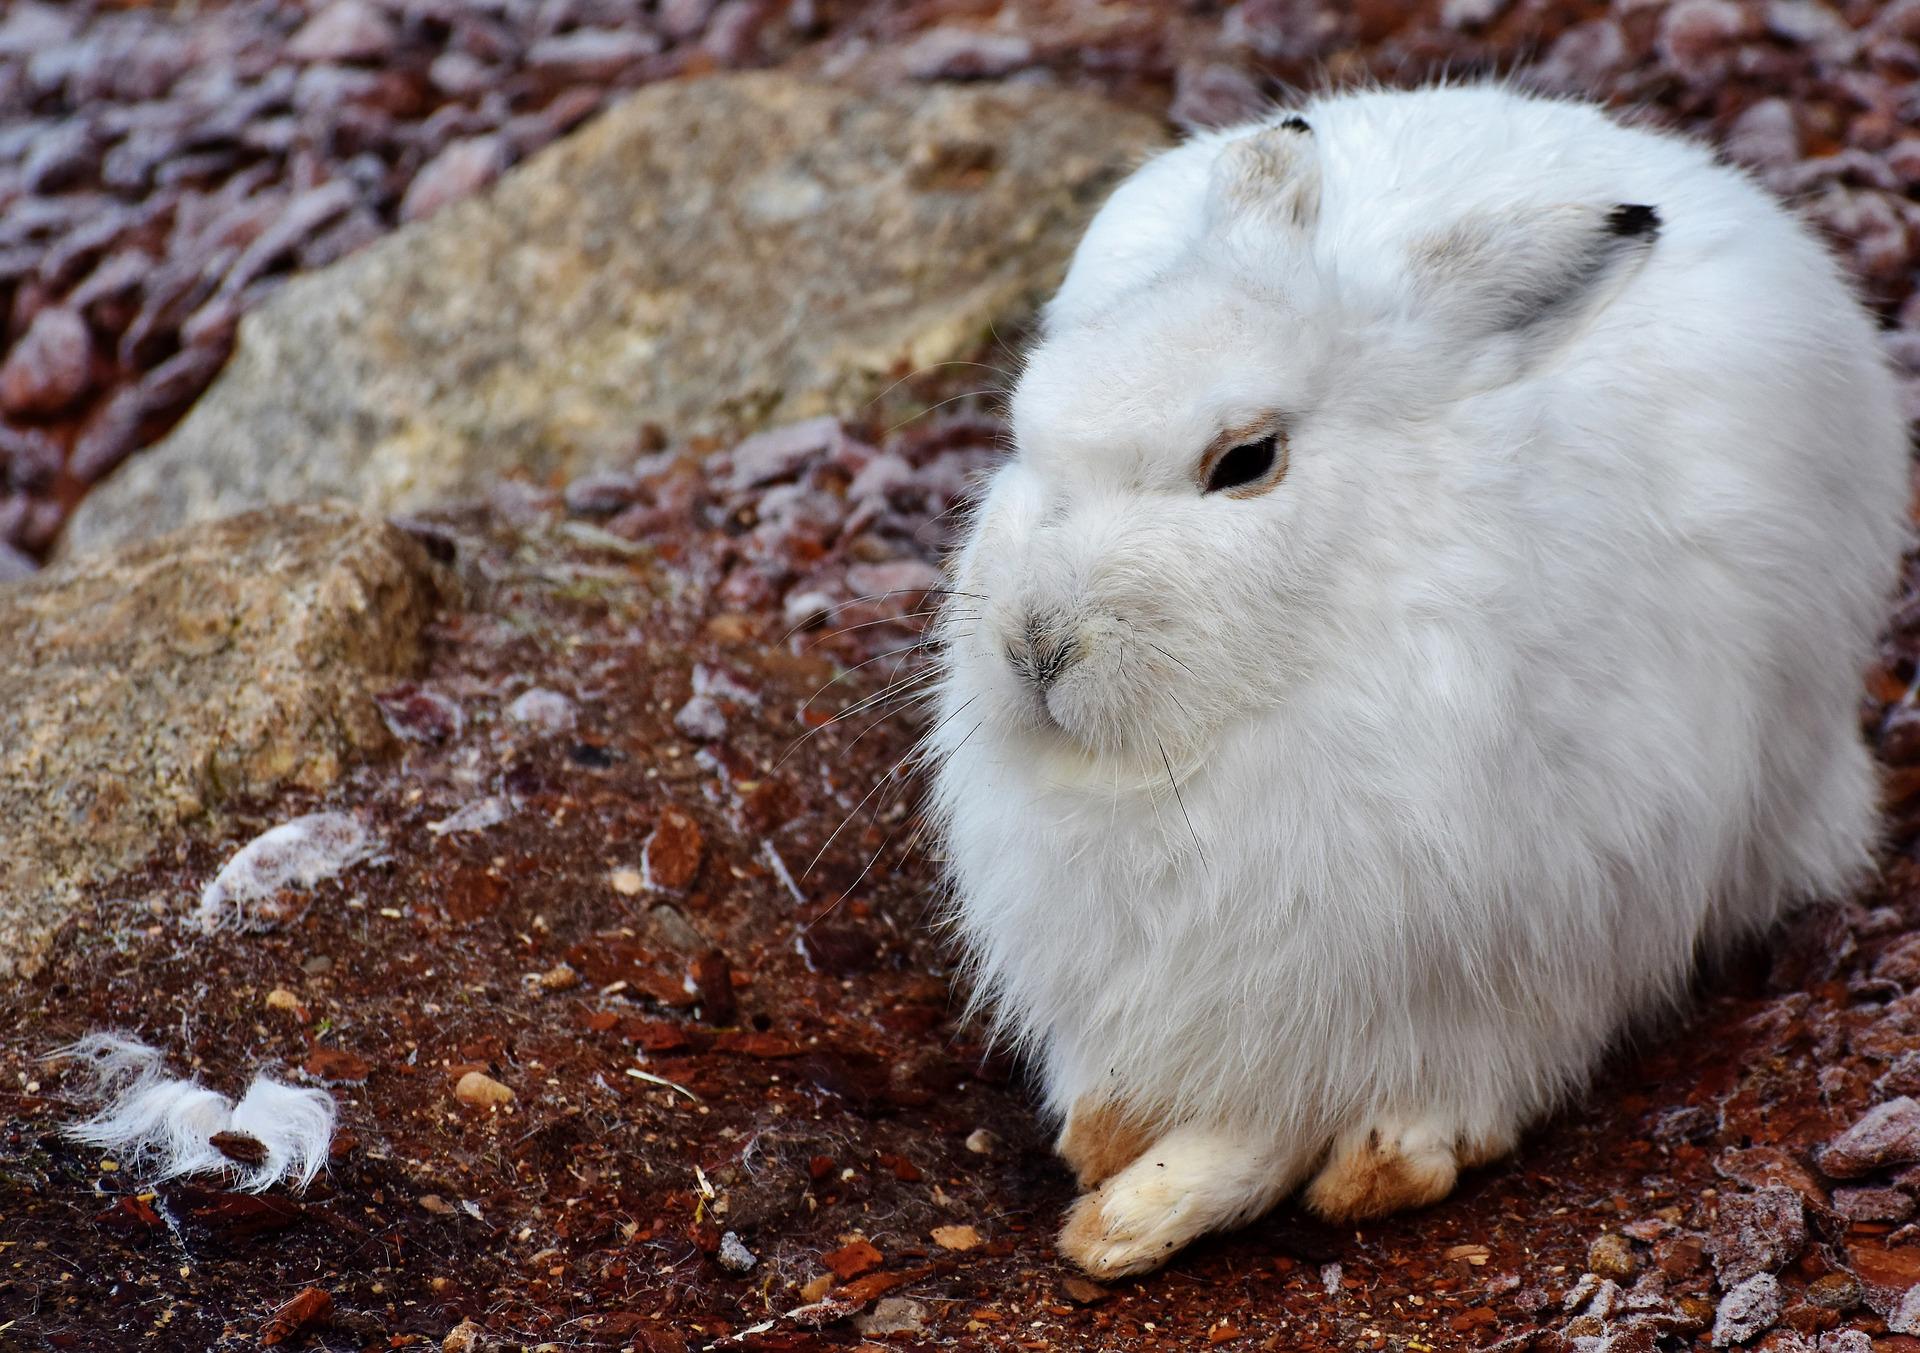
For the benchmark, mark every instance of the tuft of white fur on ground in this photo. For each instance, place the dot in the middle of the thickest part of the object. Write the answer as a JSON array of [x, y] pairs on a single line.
[[296, 854], [476, 816], [150, 1120]]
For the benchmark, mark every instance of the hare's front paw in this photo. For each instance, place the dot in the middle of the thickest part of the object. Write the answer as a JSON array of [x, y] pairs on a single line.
[[1100, 1139], [1190, 1182], [1390, 1167]]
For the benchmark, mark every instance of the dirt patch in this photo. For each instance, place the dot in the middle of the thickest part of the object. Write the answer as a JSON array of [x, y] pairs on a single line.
[[741, 1108]]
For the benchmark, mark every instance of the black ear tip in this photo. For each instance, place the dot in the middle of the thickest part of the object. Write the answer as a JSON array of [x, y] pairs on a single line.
[[1632, 221], [1293, 122]]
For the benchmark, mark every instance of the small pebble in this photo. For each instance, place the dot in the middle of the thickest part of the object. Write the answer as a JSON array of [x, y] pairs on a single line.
[[1872, 1205], [1834, 1291], [982, 1142], [346, 30], [893, 1315], [544, 711], [1083, 1291], [1748, 1310], [465, 1337], [482, 1091], [417, 714], [461, 170], [282, 999], [1905, 1316], [595, 54], [852, 1259], [734, 1256], [952, 52], [1612, 1256], [674, 849], [960, 1238], [701, 719], [1757, 1232], [626, 882], [50, 367], [1889, 1134]]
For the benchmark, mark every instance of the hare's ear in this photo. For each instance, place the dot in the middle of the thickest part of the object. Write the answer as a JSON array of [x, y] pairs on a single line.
[[1535, 274], [1271, 177]]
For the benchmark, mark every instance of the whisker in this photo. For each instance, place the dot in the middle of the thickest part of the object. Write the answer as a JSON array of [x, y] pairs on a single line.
[[876, 789], [933, 642], [918, 697], [919, 643], [906, 703], [1180, 799], [1170, 658], [878, 850], [935, 366], [869, 624], [837, 607], [919, 832], [935, 408], [957, 505], [891, 689]]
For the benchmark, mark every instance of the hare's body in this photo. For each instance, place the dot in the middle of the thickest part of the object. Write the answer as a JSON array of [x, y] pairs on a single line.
[[1333, 825]]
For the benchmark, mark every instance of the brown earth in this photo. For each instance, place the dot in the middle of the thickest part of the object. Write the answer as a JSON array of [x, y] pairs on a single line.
[[695, 1048]]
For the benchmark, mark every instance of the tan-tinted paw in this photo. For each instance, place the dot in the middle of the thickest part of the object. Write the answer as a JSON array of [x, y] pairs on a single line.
[[1383, 1170], [1187, 1183], [1131, 1224], [1099, 1141]]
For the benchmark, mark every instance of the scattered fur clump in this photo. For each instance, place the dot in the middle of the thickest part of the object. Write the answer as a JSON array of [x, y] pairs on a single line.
[[296, 854], [151, 1120]]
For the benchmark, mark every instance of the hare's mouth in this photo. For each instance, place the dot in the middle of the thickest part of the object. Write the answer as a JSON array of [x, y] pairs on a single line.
[[1054, 746], [1067, 764]]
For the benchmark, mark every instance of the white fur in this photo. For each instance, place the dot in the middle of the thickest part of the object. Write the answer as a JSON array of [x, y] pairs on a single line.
[[166, 1124], [1534, 678], [296, 854]]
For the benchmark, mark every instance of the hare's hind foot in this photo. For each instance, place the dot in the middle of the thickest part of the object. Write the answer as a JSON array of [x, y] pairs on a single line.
[[1191, 1181], [1391, 1167]]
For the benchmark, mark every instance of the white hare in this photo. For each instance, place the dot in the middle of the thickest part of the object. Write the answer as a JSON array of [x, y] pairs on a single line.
[[1424, 612]]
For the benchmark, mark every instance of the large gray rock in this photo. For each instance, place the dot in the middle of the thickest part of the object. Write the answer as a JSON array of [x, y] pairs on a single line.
[[139, 689], [709, 256]]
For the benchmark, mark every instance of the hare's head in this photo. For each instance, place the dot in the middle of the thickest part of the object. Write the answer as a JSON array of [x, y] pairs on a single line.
[[1209, 461]]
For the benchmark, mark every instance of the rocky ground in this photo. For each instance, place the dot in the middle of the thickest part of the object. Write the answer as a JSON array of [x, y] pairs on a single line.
[[639, 1032], [642, 1039]]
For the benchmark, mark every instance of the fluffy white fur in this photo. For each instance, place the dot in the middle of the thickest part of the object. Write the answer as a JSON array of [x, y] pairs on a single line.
[[1382, 800], [296, 854], [166, 1124]]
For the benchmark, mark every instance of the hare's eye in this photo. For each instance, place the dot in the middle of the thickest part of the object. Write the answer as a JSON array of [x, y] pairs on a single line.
[[1244, 464]]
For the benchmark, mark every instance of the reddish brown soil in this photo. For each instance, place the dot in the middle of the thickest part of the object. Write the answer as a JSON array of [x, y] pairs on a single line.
[[828, 1088]]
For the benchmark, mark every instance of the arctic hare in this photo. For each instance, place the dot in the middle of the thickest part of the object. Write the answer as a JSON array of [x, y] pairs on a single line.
[[1424, 612]]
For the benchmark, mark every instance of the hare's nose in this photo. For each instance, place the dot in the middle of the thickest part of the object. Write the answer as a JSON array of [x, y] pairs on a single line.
[[1043, 652]]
